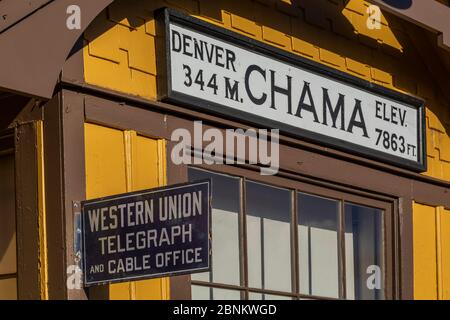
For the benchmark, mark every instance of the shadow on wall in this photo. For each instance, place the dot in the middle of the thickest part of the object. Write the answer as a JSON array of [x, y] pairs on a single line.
[[333, 32], [7, 216], [11, 105]]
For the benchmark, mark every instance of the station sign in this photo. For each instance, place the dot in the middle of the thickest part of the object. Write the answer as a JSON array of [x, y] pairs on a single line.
[[146, 234], [219, 71]]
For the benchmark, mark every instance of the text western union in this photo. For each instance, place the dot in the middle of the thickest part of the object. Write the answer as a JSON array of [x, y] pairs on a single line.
[[142, 212]]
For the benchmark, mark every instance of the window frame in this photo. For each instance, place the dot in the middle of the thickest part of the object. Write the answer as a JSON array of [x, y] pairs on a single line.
[[315, 187]]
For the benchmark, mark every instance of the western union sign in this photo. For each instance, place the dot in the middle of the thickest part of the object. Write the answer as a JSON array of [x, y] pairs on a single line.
[[147, 234]]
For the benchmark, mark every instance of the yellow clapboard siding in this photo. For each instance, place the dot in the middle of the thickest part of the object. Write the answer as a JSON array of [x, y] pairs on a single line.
[[145, 156], [425, 270], [105, 161], [146, 165], [120, 161]]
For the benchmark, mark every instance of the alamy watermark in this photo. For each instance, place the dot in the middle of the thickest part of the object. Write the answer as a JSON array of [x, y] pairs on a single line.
[[73, 21], [236, 146]]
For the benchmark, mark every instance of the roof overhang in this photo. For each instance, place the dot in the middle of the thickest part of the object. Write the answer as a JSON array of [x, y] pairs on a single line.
[[431, 15], [35, 42]]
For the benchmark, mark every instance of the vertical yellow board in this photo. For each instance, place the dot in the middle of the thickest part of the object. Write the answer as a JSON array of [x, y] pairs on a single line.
[[445, 253], [43, 270], [105, 161], [121, 161], [425, 254], [147, 161]]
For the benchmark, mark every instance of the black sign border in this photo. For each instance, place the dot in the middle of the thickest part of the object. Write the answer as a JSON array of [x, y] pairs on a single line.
[[135, 193], [165, 16]]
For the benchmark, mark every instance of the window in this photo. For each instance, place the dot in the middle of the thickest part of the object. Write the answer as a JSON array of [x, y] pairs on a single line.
[[275, 242], [268, 226], [318, 245]]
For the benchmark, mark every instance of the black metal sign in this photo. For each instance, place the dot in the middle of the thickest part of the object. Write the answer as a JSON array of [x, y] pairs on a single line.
[[218, 71], [146, 234]]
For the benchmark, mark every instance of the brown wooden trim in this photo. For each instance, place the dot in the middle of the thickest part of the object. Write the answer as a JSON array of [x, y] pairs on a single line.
[[124, 111], [396, 255], [73, 165], [296, 159], [8, 276], [243, 248], [258, 290], [295, 250], [405, 238], [64, 180], [180, 286], [389, 241], [27, 212], [315, 187], [32, 69], [53, 194], [341, 251], [14, 11]]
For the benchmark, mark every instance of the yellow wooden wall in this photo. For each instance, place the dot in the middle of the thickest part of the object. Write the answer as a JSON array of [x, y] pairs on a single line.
[[431, 252], [122, 161], [119, 54]]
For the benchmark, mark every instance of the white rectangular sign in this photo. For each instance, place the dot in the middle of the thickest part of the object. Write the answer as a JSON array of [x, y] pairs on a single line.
[[232, 75]]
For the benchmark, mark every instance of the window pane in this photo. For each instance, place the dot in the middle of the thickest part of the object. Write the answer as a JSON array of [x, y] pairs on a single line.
[[201, 293], [276, 297], [255, 296], [206, 293], [225, 228], [224, 294], [265, 296], [268, 237], [363, 251], [318, 246]]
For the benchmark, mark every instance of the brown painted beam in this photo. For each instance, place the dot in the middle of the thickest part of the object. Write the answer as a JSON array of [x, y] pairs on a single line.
[[35, 49], [74, 172], [27, 212], [430, 14], [65, 182], [12, 11], [428, 52], [53, 200]]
